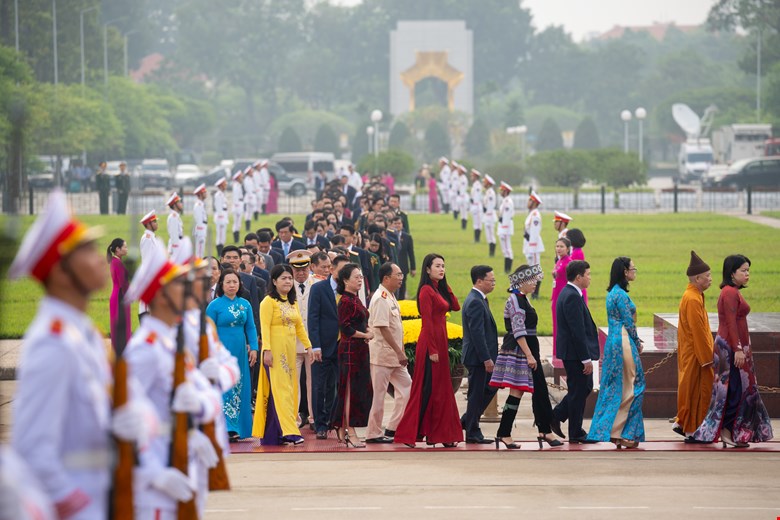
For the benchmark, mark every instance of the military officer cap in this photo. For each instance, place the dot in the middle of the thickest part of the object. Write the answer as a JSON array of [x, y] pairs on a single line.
[[489, 180], [199, 189], [53, 236], [173, 199], [505, 186], [299, 258], [237, 175], [149, 217], [155, 272], [535, 196], [561, 217], [476, 173], [443, 159], [220, 182]]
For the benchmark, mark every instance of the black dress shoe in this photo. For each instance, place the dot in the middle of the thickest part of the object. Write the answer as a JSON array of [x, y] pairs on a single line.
[[322, 435], [483, 440], [555, 426], [678, 430], [582, 440], [390, 433], [379, 440]]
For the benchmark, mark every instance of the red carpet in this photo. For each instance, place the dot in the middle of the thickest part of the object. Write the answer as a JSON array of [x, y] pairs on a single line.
[[312, 445]]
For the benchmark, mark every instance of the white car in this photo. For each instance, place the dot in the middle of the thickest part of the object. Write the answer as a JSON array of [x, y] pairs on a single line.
[[187, 174]]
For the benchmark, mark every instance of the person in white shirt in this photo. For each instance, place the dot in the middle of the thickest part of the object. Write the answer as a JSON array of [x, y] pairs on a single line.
[[250, 198], [533, 247], [148, 241], [506, 225], [220, 213], [463, 195], [238, 205], [175, 225], [263, 182], [489, 217], [476, 203], [200, 221], [444, 183]]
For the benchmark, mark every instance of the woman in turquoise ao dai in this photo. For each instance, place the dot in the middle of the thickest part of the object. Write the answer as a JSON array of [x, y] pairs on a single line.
[[618, 414]]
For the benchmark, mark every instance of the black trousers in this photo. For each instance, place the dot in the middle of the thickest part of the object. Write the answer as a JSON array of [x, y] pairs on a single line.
[[324, 377], [540, 399], [479, 395], [572, 407]]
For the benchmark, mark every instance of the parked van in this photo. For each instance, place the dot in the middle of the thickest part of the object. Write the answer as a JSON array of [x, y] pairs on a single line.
[[694, 160], [758, 172], [305, 164]]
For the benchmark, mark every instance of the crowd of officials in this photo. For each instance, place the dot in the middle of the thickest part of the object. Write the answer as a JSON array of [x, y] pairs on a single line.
[[303, 329]]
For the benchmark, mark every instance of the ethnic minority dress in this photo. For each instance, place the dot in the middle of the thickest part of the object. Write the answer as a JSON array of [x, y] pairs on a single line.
[[618, 413], [277, 387], [236, 329], [511, 369]]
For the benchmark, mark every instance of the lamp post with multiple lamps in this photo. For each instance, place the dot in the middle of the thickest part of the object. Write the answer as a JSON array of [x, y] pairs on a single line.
[[640, 114], [625, 115]]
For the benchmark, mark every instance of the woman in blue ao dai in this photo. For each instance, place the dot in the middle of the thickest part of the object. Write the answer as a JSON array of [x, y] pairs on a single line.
[[618, 414]]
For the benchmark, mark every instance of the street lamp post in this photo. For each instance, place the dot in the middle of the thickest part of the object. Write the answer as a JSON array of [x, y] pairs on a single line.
[[625, 115], [126, 35], [640, 114], [376, 117], [370, 134], [81, 32], [105, 51], [16, 23]]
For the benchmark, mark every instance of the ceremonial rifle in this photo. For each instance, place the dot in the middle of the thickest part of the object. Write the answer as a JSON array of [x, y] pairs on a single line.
[[181, 421], [218, 476]]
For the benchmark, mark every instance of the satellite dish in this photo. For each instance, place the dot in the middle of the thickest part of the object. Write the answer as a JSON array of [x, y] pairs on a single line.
[[687, 119]]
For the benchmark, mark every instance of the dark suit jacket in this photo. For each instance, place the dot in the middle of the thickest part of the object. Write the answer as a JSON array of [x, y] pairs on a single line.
[[480, 335], [277, 256], [294, 246], [350, 194], [322, 242], [323, 320], [406, 260], [576, 336], [250, 283]]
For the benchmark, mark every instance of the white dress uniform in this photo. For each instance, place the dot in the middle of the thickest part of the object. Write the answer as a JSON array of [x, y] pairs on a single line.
[[21, 494], [264, 184], [476, 204], [62, 409], [175, 231], [489, 218], [302, 358], [238, 205], [533, 246], [444, 184], [200, 223], [250, 197], [150, 357], [463, 195], [220, 215], [506, 225], [454, 187], [148, 241]]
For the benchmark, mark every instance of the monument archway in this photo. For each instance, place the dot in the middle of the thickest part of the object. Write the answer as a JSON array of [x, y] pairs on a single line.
[[431, 66]]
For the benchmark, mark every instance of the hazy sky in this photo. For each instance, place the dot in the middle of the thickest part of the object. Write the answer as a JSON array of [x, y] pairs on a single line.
[[581, 17]]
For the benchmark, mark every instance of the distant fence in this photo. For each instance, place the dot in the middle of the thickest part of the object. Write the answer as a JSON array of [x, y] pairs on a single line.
[[671, 200]]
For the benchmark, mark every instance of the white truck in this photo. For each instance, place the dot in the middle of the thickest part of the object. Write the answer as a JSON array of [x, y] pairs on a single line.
[[695, 159], [740, 141]]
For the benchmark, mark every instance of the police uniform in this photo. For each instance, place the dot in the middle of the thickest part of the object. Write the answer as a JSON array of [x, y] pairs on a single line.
[[62, 408], [200, 223], [302, 258], [506, 226], [220, 213], [175, 225], [489, 217], [148, 241], [444, 183], [533, 246], [238, 204], [250, 197], [476, 204]]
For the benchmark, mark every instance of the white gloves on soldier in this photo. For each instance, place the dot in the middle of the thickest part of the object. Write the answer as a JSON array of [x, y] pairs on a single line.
[[186, 400], [210, 368], [175, 484], [203, 449], [129, 423]]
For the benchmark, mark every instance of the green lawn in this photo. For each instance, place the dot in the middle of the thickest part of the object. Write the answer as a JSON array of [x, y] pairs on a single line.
[[659, 245], [773, 214]]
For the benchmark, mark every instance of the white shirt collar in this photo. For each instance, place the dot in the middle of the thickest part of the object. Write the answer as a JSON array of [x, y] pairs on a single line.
[[578, 289], [484, 296]]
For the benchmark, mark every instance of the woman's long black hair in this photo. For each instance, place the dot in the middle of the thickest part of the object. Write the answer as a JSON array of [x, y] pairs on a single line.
[[425, 279]]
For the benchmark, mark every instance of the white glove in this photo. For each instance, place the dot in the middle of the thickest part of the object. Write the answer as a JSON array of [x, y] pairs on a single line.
[[210, 368], [175, 484], [201, 446], [128, 423], [186, 400]]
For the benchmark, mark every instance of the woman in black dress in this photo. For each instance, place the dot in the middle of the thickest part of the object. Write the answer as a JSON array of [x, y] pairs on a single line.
[[355, 392]]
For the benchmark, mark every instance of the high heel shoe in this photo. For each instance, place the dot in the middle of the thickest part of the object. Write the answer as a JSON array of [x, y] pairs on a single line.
[[727, 440], [340, 435], [509, 445], [554, 443], [623, 443], [450, 444], [349, 443]]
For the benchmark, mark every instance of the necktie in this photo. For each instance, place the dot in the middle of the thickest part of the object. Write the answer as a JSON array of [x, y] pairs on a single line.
[[286, 249], [487, 303], [303, 287]]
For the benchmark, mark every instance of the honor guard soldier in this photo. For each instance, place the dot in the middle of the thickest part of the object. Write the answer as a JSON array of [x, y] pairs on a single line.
[[175, 225], [561, 223], [200, 218], [476, 203], [21, 494], [264, 183], [151, 356], [506, 225], [463, 195], [533, 247], [238, 204], [220, 213], [62, 408], [250, 196], [489, 217], [454, 186], [148, 241], [444, 182]]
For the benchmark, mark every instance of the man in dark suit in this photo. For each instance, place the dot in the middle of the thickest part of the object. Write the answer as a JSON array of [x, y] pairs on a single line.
[[394, 201], [264, 247], [406, 259], [310, 236], [348, 191], [480, 350], [323, 325], [577, 345], [286, 243]]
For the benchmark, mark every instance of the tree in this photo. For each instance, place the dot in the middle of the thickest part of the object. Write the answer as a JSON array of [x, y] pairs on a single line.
[[289, 141], [561, 167], [437, 140], [397, 162], [360, 143], [549, 137], [508, 172], [477, 141], [514, 114], [398, 136], [586, 136], [618, 169], [326, 140]]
